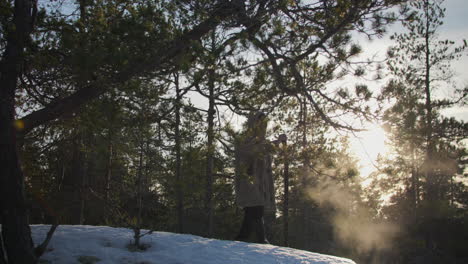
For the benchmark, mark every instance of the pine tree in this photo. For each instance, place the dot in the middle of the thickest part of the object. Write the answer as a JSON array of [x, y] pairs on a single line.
[[425, 141]]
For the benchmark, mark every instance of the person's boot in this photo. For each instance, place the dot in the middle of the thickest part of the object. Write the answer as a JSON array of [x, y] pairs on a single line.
[[243, 233], [260, 231], [245, 230]]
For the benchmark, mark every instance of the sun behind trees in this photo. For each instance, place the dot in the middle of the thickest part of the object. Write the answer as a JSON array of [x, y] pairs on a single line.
[[98, 127], [424, 174]]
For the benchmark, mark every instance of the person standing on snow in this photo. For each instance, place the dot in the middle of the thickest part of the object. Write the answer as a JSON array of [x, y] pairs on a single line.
[[254, 188]]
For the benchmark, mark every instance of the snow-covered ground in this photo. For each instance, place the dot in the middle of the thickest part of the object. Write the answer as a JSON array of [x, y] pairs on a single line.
[[101, 244]]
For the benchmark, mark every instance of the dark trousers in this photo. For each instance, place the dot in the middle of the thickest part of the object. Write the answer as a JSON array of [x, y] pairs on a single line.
[[253, 225]]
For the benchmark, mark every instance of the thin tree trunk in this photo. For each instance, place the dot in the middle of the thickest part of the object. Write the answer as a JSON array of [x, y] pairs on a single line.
[[16, 233], [305, 175], [414, 180], [427, 86], [139, 199], [210, 142], [286, 197], [304, 127], [452, 198], [179, 180], [108, 180], [84, 182], [62, 176], [209, 156], [73, 184], [146, 170]]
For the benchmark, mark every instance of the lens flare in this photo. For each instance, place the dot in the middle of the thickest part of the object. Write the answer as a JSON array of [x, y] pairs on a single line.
[[19, 125]]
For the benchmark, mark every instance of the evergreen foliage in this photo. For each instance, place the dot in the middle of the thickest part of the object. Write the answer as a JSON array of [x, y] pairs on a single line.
[[426, 171]]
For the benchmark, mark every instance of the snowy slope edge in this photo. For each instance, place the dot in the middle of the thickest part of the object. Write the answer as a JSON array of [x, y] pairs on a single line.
[[108, 245]]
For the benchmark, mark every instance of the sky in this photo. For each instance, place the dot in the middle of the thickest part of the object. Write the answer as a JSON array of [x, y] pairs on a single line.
[[456, 28]]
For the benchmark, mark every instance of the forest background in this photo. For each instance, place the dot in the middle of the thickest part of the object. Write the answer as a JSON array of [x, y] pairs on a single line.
[[100, 125]]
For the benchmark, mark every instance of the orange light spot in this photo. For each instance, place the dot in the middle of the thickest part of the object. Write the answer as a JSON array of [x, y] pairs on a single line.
[[19, 125]]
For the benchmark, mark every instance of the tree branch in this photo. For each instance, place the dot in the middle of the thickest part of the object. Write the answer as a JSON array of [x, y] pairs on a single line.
[[167, 54], [39, 250]]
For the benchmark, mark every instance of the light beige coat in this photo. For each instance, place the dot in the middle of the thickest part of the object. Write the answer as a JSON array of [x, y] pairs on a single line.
[[254, 178]]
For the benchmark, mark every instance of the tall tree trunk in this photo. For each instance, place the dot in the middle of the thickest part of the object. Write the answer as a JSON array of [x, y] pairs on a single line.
[[14, 214], [179, 180], [428, 106], [210, 155], [305, 174], [210, 143], [431, 191]]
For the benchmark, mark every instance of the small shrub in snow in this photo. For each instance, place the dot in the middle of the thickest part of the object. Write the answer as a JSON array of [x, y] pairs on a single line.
[[88, 259], [138, 248], [106, 244]]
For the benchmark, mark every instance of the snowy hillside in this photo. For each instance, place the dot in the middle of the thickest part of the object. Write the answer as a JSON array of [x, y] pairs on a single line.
[[99, 244]]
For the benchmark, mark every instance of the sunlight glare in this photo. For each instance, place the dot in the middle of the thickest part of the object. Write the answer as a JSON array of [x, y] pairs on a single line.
[[367, 146]]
